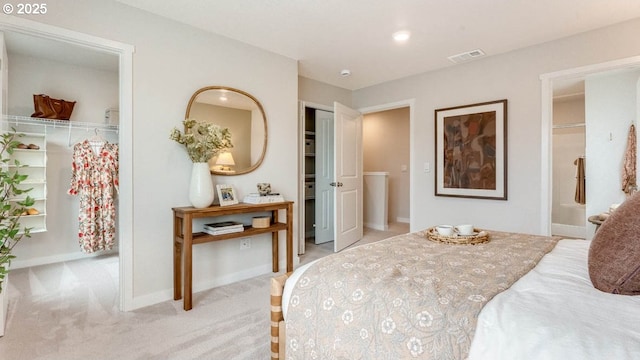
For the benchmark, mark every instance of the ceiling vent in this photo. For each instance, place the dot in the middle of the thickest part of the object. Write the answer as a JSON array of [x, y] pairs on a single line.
[[466, 56]]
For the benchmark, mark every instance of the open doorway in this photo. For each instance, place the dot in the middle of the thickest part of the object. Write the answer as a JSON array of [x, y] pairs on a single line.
[[386, 159], [124, 55], [611, 104], [568, 152], [401, 213]]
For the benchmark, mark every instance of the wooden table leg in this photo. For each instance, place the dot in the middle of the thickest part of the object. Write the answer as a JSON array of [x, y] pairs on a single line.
[[275, 266], [177, 258], [187, 250], [274, 252], [290, 238]]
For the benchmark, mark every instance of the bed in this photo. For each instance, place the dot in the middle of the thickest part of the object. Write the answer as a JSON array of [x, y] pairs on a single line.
[[516, 297]]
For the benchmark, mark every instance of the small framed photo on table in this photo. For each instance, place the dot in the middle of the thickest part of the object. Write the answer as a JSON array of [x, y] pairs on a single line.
[[227, 195]]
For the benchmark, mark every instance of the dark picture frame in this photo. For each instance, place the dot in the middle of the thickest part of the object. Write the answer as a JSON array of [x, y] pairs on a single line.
[[471, 151]]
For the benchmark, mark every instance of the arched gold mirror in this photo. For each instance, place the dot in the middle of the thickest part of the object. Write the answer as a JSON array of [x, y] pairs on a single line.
[[243, 115]]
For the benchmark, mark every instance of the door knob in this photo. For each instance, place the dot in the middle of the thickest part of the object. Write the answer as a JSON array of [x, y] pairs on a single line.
[[338, 184], [333, 184]]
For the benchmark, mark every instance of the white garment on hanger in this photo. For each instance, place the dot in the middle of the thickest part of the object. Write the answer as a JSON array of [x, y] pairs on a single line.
[[96, 142]]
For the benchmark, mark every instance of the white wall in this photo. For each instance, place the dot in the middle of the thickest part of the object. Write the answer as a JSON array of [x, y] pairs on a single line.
[[94, 91], [170, 62], [323, 94], [514, 76], [611, 108]]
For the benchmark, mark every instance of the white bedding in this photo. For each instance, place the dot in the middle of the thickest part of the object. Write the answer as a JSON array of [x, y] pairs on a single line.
[[553, 312]]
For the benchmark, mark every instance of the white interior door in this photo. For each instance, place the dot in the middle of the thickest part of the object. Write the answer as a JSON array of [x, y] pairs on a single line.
[[348, 176], [324, 192]]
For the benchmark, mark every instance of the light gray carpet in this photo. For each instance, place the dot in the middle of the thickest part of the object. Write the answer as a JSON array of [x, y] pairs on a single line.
[[70, 311]]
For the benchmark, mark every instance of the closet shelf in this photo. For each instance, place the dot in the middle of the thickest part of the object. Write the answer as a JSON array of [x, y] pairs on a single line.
[[16, 199], [33, 182], [25, 120], [24, 166]]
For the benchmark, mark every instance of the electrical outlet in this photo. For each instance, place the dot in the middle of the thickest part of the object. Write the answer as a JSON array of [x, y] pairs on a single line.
[[245, 243]]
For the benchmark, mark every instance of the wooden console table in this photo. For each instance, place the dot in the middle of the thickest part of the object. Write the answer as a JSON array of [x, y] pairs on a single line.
[[184, 238]]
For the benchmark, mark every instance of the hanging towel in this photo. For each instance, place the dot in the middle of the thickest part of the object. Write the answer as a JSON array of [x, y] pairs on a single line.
[[581, 196], [629, 168]]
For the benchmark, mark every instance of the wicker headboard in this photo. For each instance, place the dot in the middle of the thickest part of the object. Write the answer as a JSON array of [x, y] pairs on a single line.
[[277, 319]]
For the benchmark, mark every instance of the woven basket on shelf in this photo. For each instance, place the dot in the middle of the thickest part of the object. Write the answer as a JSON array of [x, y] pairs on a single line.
[[481, 236]]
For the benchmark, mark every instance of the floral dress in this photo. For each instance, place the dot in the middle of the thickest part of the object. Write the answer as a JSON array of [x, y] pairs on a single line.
[[95, 179]]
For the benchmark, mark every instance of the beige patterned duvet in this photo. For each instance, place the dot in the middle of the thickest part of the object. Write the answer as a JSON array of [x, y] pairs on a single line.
[[403, 297]]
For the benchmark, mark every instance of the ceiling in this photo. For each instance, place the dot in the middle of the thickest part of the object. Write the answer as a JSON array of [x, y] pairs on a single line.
[[328, 36]]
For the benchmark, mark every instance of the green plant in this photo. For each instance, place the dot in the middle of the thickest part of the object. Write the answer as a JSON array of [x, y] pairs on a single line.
[[11, 232], [203, 140]]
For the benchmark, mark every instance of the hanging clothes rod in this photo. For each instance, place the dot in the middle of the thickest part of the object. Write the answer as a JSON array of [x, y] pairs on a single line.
[[25, 120]]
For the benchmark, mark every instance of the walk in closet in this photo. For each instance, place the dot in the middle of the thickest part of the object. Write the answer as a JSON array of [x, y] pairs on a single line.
[[34, 65], [318, 175]]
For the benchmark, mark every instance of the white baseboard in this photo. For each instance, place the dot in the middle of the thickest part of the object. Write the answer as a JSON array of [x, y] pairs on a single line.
[[167, 294], [403, 220], [383, 227], [569, 230], [45, 260]]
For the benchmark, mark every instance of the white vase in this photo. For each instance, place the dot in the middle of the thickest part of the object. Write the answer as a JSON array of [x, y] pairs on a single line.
[[201, 187]]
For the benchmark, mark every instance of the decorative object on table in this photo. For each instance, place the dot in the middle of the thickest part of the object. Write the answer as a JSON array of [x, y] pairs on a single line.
[[261, 222], [471, 151], [227, 195], [224, 227], [256, 198], [264, 188], [478, 236], [629, 181], [50, 108], [201, 194], [202, 141]]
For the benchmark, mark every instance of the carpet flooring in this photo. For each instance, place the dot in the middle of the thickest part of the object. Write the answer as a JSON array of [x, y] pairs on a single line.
[[70, 311]]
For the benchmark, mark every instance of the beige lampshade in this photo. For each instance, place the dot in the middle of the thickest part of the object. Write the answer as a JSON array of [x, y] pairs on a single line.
[[225, 159]]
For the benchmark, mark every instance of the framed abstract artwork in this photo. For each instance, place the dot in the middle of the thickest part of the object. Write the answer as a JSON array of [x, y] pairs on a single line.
[[471, 151]]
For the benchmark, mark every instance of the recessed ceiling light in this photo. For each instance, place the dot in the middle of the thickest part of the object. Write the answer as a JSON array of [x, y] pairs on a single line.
[[345, 72], [401, 36]]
